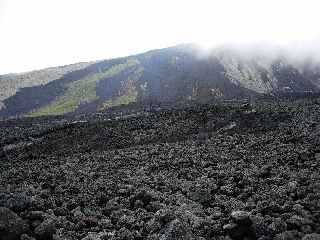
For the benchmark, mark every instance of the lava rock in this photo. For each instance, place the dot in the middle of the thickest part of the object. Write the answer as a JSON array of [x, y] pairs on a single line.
[[36, 215], [78, 214], [144, 196], [61, 211], [126, 221], [240, 227], [312, 236], [265, 171], [26, 237], [11, 225], [297, 222], [105, 223], [15, 201], [164, 216], [292, 186], [125, 234], [35, 223], [241, 218], [261, 226], [288, 235], [176, 230], [138, 204], [277, 226], [45, 230], [178, 190], [98, 236], [110, 207]]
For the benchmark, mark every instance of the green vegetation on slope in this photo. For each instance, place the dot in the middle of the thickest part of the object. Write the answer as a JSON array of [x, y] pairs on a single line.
[[81, 91], [11, 83], [121, 100], [129, 94]]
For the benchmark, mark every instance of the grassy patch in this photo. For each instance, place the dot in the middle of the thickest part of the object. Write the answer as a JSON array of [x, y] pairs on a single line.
[[82, 91], [121, 100]]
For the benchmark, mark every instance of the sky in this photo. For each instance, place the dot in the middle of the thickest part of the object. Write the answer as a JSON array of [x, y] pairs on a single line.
[[35, 34]]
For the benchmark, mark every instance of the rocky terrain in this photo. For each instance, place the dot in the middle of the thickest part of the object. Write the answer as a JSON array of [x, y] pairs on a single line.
[[227, 171]]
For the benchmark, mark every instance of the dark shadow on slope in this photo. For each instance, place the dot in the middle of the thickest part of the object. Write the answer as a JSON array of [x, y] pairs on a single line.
[[32, 98], [290, 79], [176, 74]]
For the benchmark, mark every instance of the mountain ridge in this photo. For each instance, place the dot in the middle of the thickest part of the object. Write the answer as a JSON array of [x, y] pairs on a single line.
[[179, 73]]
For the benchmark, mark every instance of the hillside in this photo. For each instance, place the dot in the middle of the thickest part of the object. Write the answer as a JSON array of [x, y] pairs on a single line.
[[11, 83], [176, 74]]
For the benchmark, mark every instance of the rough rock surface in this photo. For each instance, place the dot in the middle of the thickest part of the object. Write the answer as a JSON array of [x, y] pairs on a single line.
[[11, 225], [149, 176]]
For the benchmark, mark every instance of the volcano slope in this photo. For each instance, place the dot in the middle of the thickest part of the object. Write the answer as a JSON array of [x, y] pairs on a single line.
[[201, 172]]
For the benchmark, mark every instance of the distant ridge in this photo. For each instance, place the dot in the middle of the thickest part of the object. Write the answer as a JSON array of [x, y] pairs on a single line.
[[179, 73]]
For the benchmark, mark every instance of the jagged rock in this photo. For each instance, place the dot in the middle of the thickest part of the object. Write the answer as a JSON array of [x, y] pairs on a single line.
[[241, 217], [90, 221], [92, 236], [277, 226], [152, 226], [261, 226], [265, 171], [175, 230], [144, 196], [232, 229], [125, 234], [216, 213], [312, 236], [36, 215], [227, 189], [126, 221], [118, 214], [78, 214], [16, 201], [17, 146], [164, 216], [296, 222], [26, 237], [45, 230], [102, 198], [238, 232], [11, 225], [105, 223], [138, 204], [240, 226], [110, 207], [288, 235], [292, 186], [61, 211], [35, 223], [98, 236], [201, 195], [154, 206]]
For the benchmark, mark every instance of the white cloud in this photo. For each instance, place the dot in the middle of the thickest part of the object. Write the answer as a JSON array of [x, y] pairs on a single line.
[[40, 33]]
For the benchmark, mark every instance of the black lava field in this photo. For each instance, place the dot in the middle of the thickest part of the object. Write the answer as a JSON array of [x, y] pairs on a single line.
[[227, 171]]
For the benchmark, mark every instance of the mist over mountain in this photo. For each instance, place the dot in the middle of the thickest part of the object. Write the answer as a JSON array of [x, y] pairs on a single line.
[[177, 74]]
